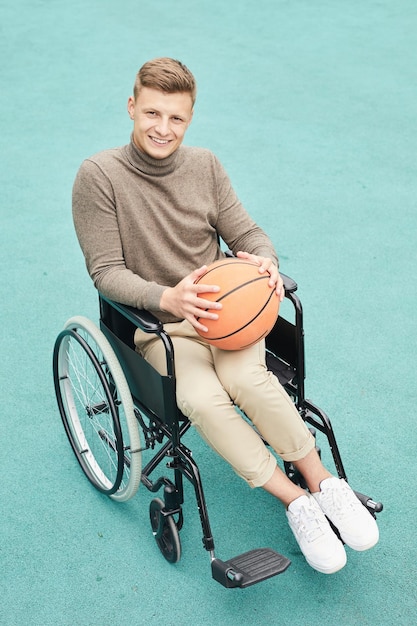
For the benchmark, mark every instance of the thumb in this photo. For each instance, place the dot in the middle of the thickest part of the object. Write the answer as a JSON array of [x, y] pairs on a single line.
[[198, 273]]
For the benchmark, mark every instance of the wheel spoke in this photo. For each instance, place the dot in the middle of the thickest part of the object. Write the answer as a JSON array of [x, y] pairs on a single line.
[[97, 409]]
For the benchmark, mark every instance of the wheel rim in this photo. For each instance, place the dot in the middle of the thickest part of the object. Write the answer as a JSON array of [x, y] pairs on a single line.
[[168, 539], [88, 410]]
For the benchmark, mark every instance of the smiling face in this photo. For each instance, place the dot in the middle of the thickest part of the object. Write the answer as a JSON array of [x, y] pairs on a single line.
[[159, 120]]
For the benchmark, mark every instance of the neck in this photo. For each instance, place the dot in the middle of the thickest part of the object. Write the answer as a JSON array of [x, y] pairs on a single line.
[[148, 165]]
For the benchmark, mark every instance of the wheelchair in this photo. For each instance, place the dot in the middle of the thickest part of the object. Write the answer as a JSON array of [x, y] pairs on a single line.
[[114, 405]]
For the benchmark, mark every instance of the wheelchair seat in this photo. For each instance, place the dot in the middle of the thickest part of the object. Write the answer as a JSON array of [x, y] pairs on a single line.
[[114, 405]]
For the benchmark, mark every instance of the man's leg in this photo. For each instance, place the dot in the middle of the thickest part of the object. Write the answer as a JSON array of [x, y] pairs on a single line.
[[202, 398], [258, 393]]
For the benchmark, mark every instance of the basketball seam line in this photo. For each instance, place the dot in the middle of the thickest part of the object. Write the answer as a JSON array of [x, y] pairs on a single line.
[[245, 325], [249, 282]]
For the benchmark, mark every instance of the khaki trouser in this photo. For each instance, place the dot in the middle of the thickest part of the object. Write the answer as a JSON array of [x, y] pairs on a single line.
[[211, 383]]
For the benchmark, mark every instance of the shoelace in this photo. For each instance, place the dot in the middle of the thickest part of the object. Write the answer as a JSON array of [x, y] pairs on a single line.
[[337, 502], [310, 523]]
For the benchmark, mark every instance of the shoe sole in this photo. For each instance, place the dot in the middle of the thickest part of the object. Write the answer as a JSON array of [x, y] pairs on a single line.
[[362, 548], [332, 570]]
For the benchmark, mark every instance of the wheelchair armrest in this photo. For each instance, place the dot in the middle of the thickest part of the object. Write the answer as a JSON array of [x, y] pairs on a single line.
[[142, 319], [289, 284], [147, 322]]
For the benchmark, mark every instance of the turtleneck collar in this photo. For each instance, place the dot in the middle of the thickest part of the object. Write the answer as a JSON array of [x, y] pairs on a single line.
[[148, 165]]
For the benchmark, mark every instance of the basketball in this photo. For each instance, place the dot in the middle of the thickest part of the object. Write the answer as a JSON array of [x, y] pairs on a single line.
[[249, 305]]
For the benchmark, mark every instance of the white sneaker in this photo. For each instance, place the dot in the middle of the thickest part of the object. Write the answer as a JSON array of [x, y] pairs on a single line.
[[319, 544], [357, 528]]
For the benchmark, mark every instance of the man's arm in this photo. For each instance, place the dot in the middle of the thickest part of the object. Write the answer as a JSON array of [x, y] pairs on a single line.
[[96, 225], [234, 224], [241, 233]]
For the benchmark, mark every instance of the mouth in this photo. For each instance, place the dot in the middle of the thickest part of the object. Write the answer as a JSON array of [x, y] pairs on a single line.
[[159, 142]]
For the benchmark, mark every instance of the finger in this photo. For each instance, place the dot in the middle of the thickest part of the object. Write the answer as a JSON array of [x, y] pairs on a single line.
[[270, 267], [198, 272], [263, 262], [243, 255], [197, 325], [203, 305], [250, 257], [280, 289], [200, 288], [197, 320]]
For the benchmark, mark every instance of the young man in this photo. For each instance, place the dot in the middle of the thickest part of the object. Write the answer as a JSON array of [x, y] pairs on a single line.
[[148, 217]]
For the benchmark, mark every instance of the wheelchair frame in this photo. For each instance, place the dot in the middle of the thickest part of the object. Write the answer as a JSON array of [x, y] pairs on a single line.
[[162, 424]]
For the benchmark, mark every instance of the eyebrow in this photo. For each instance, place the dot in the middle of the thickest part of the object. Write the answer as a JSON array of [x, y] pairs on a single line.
[[155, 110]]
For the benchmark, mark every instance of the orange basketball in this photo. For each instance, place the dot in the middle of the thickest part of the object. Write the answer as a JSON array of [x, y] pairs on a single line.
[[250, 305]]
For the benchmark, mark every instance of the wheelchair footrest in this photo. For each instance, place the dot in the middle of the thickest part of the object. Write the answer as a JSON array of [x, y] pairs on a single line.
[[249, 568]]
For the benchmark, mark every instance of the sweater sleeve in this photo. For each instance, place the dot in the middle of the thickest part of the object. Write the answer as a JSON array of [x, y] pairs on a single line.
[[235, 226], [96, 224]]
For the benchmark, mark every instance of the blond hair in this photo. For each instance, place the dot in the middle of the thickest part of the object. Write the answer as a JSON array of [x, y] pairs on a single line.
[[167, 75]]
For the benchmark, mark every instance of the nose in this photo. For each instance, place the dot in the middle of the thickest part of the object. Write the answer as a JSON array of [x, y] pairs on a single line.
[[162, 127]]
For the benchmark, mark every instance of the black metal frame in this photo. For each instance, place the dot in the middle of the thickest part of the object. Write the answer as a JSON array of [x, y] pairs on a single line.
[[154, 395]]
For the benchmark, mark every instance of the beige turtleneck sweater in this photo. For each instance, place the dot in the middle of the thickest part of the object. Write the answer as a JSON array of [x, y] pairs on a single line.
[[143, 224]]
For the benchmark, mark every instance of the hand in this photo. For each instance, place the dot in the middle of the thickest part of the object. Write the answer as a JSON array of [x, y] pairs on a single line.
[[184, 301], [267, 265]]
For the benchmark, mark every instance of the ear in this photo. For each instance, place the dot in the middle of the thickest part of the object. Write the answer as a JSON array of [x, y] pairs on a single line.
[[131, 107], [191, 118]]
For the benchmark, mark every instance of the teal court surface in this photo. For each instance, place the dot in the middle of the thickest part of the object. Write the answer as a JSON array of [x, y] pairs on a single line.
[[312, 108]]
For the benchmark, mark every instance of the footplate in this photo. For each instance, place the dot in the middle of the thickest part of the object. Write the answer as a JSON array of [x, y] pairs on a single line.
[[249, 568]]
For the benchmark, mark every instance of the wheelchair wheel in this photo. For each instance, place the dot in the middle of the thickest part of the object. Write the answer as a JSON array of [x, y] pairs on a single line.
[[165, 532], [96, 408]]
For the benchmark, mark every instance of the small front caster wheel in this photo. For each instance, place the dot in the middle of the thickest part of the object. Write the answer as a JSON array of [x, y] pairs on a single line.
[[165, 532]]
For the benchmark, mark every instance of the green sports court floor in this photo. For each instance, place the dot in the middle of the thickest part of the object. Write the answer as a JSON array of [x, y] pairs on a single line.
[[312, 107]]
